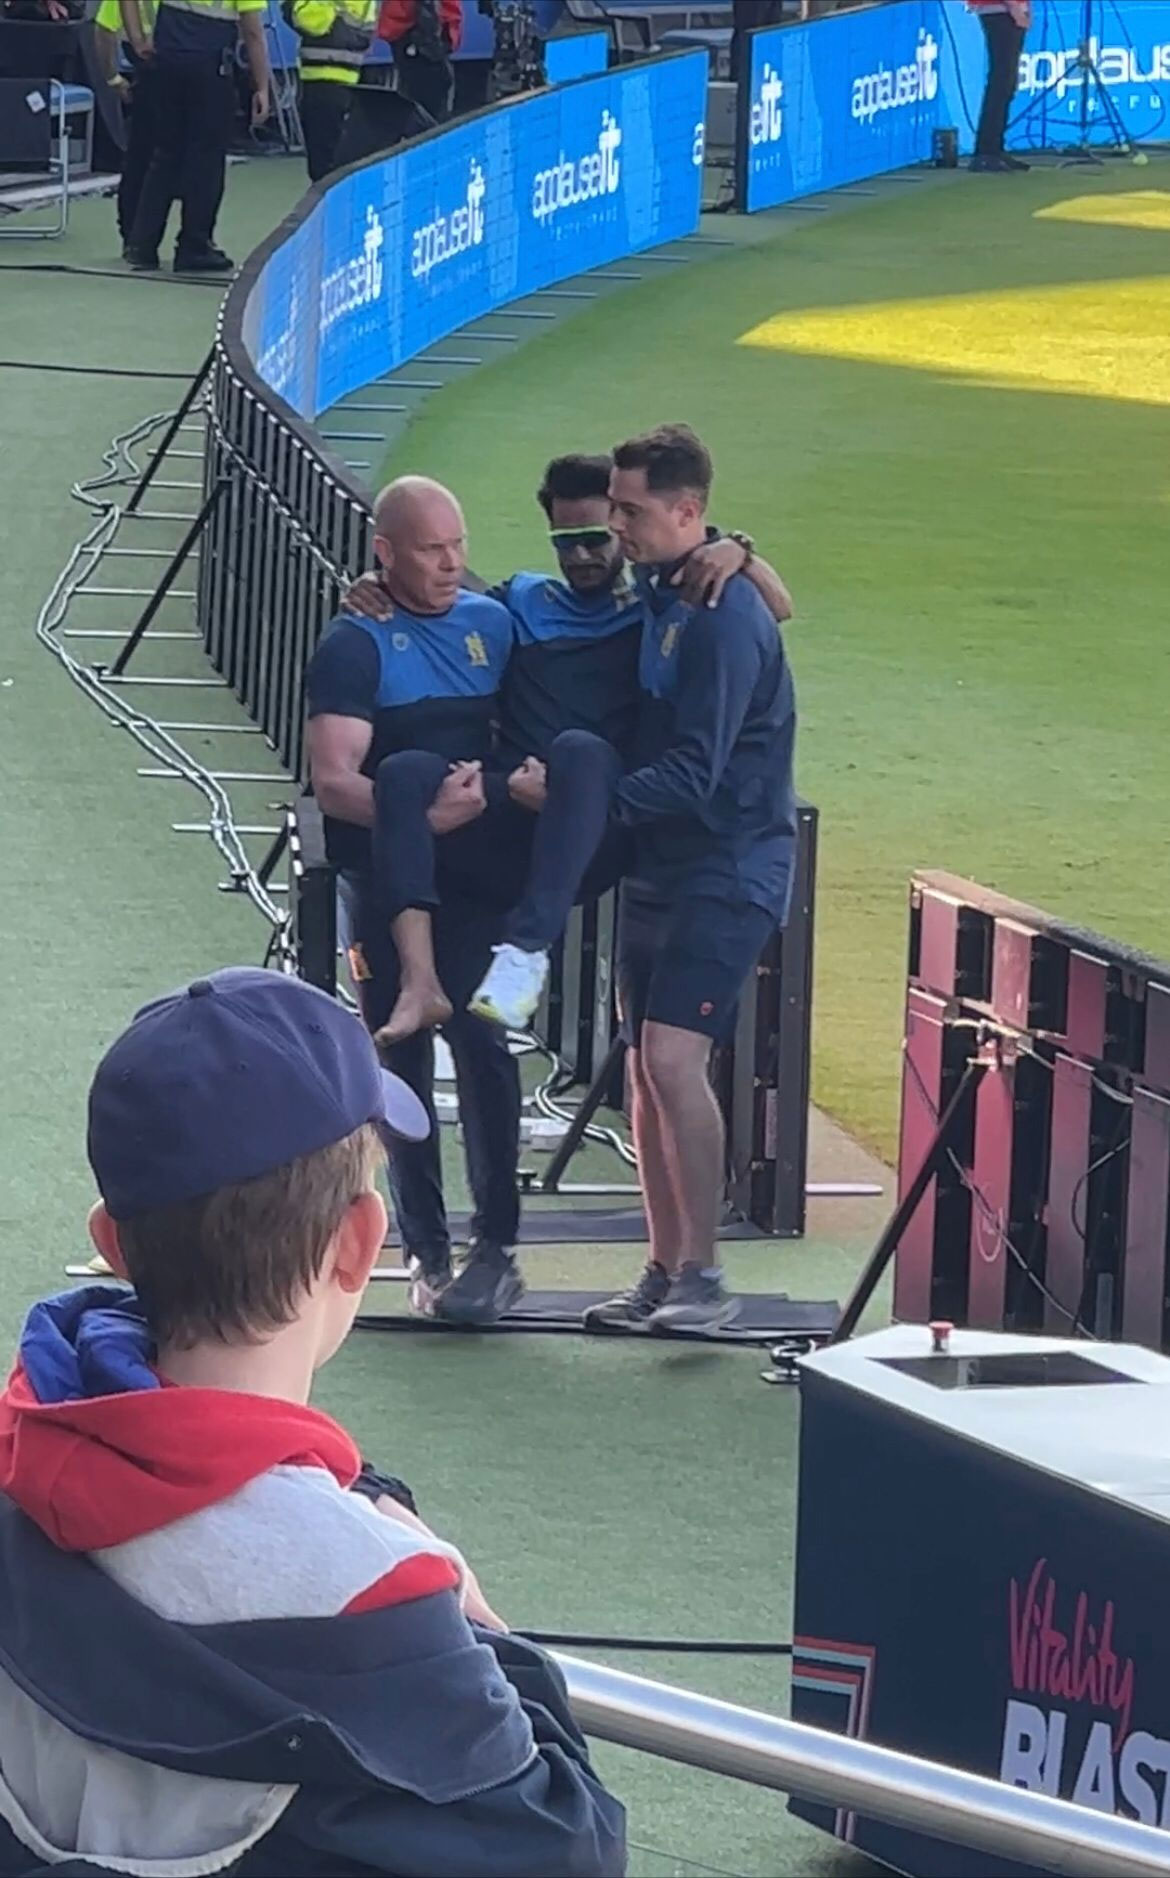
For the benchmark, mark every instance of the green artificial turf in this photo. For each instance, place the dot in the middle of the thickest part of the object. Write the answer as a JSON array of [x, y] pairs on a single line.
[[937, 526], [101, 906], [944, 416]]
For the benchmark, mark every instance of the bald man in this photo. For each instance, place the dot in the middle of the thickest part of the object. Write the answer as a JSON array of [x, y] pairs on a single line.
[[426, 679]]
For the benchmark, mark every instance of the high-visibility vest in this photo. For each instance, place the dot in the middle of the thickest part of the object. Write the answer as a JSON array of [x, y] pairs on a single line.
[[335, 37], [109, 16]]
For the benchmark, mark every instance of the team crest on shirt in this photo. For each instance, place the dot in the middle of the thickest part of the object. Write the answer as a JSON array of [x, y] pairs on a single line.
[[476, 650], [400, 642]]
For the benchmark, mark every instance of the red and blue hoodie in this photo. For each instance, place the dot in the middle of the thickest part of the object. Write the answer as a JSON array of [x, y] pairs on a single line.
[[218, 1655]]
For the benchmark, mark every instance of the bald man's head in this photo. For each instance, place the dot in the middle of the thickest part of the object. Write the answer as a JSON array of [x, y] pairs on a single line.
[[421, 542]]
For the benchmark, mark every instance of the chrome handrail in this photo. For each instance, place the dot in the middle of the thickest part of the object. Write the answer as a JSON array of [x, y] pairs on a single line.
[[857, 1776]]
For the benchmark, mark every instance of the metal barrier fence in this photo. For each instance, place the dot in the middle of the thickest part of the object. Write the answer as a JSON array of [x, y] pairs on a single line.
[[1031, 1829], [284, 531]]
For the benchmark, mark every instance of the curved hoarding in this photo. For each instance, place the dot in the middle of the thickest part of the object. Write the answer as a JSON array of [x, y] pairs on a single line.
[[842, 99], [401, 251]]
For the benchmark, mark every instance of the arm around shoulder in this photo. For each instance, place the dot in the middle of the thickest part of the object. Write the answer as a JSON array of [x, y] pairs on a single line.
[[770, 588]]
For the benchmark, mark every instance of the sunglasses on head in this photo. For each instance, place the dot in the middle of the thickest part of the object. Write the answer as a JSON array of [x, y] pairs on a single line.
[[590, 538]]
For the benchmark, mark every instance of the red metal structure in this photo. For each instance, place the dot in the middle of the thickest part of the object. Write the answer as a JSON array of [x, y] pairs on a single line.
[[1052, 1211]]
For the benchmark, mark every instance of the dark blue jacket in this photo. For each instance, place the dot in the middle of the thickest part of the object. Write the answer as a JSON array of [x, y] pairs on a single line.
[[711, 798], [368, 1719]]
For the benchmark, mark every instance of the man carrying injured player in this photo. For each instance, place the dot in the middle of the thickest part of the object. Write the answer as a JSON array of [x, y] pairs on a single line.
[[541, 834], [710, 806]]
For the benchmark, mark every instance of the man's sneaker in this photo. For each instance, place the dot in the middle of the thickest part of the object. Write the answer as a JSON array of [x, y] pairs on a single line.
[[204, 261], [142, 260], [487, 1287], [511, 991], [633, 1308], [427, 1283], [697, 1300]]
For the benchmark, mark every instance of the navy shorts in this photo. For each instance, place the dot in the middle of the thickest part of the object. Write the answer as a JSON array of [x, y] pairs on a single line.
[[684, 962]]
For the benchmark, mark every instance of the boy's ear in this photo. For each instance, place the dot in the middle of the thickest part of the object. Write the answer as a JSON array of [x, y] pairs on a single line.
[[104, 1233], [360, 1238]]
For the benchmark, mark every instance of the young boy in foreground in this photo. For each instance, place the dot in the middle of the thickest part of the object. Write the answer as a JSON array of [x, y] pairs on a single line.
[[224, 1643]]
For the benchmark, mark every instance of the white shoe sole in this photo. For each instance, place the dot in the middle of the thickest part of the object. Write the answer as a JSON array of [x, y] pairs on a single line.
[[424, 1295], [483, 1007], [693, 1317], [515, 1019], [601, 1319]]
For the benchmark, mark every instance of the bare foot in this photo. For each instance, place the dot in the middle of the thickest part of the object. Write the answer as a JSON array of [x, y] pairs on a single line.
[[417, 1008]]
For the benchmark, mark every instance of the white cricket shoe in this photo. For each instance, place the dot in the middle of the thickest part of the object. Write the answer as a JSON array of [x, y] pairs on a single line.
[[512, 988]]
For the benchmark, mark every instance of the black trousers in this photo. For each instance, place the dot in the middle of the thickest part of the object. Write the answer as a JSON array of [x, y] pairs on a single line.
[[191, 103], [324, 110], [486, 1077], [745, 15], [429, 83], [138, 153], [533, 868], [1005, 42]]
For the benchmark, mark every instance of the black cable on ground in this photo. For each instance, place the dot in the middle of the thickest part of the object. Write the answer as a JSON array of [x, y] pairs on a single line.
[[112, 273], [88, 371], [673, 1646]]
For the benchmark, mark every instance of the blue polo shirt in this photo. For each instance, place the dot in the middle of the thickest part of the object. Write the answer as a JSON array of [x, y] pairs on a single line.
[[574, 665], [711, 798], [423, 682]]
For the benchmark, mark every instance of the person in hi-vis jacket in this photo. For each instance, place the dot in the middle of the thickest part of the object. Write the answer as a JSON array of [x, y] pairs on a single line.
[[335, 36]]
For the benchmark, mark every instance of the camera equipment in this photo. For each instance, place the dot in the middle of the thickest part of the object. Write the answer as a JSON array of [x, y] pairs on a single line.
[[1082, 70], [517, 61], [944, 148]]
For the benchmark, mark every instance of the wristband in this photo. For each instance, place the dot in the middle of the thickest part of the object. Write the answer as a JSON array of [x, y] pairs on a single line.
[[745, 542]]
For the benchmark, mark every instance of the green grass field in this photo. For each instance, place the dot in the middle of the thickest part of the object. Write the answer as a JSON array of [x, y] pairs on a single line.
[[945, 418]]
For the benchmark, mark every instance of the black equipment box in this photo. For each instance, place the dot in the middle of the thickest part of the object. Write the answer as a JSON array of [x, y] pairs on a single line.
[[983, 1547]]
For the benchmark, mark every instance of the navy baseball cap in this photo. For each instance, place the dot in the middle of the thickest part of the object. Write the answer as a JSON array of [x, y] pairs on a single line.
[[234, 1076]]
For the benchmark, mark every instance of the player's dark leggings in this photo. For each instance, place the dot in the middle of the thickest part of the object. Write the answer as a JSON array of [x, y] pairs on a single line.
[[537, 865]]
